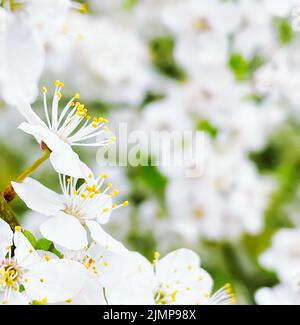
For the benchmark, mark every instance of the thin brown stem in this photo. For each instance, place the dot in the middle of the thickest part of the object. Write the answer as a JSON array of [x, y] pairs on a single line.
[[6, 213]]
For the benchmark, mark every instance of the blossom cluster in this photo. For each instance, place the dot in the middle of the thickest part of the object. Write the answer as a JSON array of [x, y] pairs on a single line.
[[227, 69], [87, 266], [76, 261]]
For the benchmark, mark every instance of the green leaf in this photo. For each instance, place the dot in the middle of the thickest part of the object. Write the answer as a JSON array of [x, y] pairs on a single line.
[[255, 62], [47, 245], [129, 4], [161, 50], [33, 241], [239, 66], [242, 68], [143, 241], [56, 252], [255, 98], [150, 97], [206, 126], [284, 29], [267, 159], [21, 288], [148, 181], [44, 244], [281, 159]]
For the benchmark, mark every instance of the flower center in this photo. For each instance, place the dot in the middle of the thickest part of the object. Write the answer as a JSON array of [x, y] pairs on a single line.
[[164, 296], [73, 125], [10, 275], [202, 24], [62, 137], [75, 212]]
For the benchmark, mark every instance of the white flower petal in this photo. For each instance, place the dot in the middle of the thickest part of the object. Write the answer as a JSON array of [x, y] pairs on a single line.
[[63, 159], [24, 61], [29, 114], [179, 259], [65, 230], [38, 197], [128, 280], [68, 163], [91, 294], [49, 15], [46, 256], [56, 280], [43, 134], [6, 236], [180, 271], [105, 240], [15, 298], [24, 252], [104, 202]]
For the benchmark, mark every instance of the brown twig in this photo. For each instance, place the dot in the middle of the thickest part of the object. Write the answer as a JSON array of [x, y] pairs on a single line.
[[6, 213]]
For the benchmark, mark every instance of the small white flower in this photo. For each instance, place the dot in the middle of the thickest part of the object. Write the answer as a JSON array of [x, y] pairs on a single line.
[[26, 277], [97, 261], [283, 256], [281, 294], [26, 25], [21, 62], [175, 279], [63, 130], [82, 205]]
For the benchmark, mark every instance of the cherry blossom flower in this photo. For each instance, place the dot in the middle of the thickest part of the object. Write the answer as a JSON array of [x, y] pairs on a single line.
[[80, 207], [175, 279], [73, 126], [27, 278]]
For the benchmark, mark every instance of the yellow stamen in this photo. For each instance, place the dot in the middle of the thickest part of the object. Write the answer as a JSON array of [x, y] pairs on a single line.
[[83, 8], [173, 295], [18, 229]]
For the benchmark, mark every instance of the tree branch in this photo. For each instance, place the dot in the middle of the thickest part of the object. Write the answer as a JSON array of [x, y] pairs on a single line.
[[6, 213]]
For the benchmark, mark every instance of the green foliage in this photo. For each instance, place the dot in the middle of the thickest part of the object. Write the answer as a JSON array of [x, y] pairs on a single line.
[[129, 4], [239, 66], [255, 98], [44, 244], [267, 159], [284, 30], [281, 158], [149, 98], [242, 68], [30, 237], [11, 161], [143, 241], [237, 262], [161, 50], [206, 126], [22, 288], [147, 181], [41, 244]]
